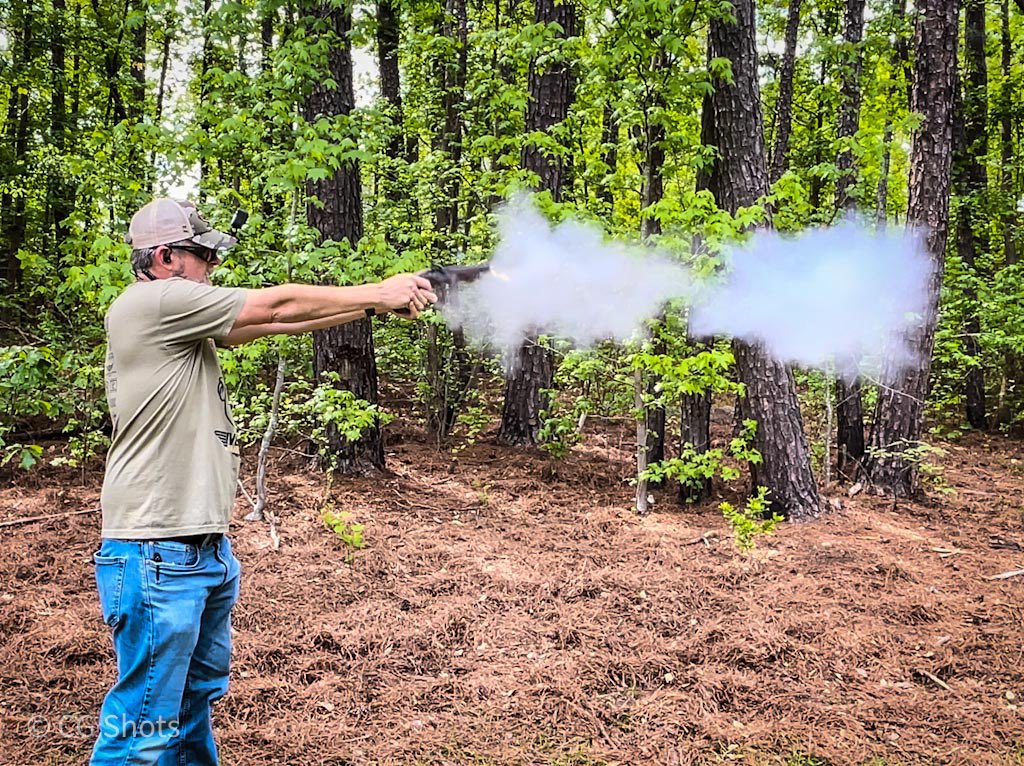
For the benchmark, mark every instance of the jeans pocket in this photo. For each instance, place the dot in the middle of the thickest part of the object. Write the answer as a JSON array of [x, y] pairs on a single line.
[[110, 584], [172, 555]]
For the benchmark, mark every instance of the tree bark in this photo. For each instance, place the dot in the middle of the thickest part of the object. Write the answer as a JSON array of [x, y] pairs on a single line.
[[652, 192], [388, 39], [13, 222], [346, 349], [1003, 413], [849, 411], [1006, 120], [784, 106], [970, 181], [849, 111], [695, 409], [551, 92], [454, 26], [899, 416], [136, 107], [610, 157], [739, 178], [61, 194]]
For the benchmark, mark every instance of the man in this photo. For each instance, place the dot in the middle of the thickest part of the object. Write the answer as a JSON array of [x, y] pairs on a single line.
[[166, 576]]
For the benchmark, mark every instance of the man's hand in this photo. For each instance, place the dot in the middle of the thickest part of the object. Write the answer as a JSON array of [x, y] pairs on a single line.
[[405, 291]]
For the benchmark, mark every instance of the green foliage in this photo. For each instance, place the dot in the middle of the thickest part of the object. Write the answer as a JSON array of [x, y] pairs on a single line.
[[752, 520], [560, 425], [921, 457], [349, 532], [693, 469]]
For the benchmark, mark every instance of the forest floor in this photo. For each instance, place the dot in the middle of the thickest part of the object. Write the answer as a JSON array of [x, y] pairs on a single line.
[[502, 612]]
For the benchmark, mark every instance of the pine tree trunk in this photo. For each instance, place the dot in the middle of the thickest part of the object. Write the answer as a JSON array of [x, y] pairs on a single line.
[[970, 180], [882, 205], [1003, 413], [849, 412], [740, 178], [452, 73], [388, 39], [138, 62], [348, 348], [899, 417], [1006, 122], [13, 221], [61, 194], [784, 106], [551, 93], [695, 409], [849, 427], [652, 192], [610, 157], [849, 112]]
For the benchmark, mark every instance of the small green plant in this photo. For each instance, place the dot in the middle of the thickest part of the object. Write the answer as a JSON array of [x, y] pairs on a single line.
[[753, 520], [26, 455], [348, 531], [471, 421], [918, 456], [560, 426], [692, 468]]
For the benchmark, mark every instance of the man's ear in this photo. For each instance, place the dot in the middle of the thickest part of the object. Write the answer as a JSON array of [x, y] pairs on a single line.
[[164, 254]]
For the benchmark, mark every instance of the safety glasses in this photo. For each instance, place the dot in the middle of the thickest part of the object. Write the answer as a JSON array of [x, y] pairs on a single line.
[[202, 253]]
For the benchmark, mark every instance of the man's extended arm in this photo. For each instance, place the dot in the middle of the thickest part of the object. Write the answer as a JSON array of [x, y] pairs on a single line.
[[293, 309], [241, 335]]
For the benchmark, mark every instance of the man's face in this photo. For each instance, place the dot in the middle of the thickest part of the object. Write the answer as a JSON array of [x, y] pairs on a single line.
[[194, 262]]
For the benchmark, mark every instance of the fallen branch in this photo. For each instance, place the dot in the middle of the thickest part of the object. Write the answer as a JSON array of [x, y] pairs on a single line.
[[47, 517], [1006, 575], [935, 679]]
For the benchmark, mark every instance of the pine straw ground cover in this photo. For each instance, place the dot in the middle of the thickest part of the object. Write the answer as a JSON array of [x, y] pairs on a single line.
[[501, 615]]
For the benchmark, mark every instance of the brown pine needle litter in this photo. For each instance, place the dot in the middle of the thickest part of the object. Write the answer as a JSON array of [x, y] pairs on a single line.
[[497, 617]]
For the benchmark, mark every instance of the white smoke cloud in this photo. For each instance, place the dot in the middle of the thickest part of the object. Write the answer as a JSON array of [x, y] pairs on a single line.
[[827, 296]]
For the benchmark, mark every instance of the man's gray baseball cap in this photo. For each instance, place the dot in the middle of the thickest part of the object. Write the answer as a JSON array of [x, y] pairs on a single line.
[[166, 221]]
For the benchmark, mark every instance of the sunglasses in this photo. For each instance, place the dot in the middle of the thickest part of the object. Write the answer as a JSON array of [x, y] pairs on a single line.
[[202, 253]]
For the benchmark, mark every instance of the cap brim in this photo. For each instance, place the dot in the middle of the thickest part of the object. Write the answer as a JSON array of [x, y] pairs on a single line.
[[215, 240]]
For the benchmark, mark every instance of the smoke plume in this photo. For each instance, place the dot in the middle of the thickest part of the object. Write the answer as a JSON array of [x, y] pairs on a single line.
[[844, 295]]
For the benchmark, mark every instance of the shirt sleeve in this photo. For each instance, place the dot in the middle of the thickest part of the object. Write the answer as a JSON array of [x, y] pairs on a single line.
[[190, 311]]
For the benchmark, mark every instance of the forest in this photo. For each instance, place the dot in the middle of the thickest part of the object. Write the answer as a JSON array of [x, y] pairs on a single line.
[[671, 548]]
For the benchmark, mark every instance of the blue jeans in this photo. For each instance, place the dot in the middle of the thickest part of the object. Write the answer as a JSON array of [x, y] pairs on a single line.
[[169, 606]]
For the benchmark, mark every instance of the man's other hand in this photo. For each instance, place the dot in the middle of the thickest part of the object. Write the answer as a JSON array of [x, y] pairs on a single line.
[[405, 291]]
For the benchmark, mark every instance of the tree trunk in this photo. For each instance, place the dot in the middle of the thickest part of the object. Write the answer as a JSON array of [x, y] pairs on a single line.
[[137, 105], [347, 349], [1003, 414], [970, 181], [610, 157], [882, 208], [695, 409], [165, 61], [551, 93], [652, 192], [849, 111], [1006, 120], [849, 427], [388, 39], [740, 178], [784, 106], [849, 412], [449, 140], [899, 417], [61, 194], [16, 129]]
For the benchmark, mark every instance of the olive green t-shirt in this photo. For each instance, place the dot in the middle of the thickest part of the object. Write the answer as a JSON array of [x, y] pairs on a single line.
[[173, 461]]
